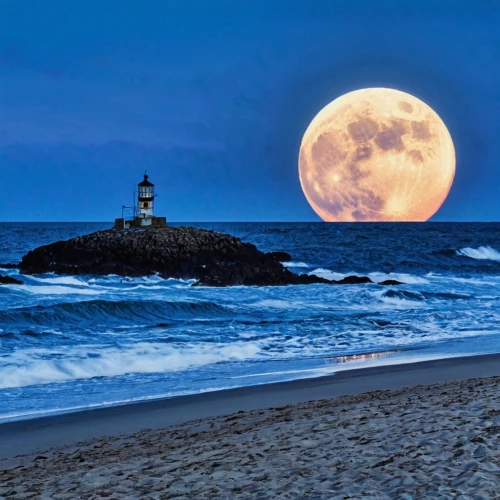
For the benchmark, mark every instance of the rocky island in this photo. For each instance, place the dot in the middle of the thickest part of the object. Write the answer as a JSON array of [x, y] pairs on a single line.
[[211, 258]]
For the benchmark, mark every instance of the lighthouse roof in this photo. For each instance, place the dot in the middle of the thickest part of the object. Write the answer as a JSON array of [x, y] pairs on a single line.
[[145, 182]]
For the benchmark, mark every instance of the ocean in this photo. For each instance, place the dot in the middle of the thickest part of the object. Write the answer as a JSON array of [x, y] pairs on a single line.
[[75, 342]]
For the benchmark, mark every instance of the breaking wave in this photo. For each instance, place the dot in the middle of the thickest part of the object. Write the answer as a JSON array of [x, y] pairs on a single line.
[[400, 298], [481, 253], [34, 367]]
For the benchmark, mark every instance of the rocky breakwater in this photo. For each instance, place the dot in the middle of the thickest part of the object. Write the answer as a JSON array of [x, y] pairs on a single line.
[[213, 259]]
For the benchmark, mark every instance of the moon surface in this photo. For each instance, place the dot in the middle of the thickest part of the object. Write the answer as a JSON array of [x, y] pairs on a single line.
[[376, 154]]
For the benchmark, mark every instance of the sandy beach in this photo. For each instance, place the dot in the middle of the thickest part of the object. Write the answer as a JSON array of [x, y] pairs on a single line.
[[368, 433]]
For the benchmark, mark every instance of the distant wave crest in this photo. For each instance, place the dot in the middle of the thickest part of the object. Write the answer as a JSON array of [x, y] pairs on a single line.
[[295, 264], [481, 253]]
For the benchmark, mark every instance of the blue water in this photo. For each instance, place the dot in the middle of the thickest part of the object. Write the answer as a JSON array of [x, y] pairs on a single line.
[[75, 342]]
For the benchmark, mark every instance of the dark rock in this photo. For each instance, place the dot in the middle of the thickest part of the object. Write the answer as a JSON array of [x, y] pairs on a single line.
[[390, 282], [9, 280], [9, 266], [280, 256], [214, 259], [354, 280]]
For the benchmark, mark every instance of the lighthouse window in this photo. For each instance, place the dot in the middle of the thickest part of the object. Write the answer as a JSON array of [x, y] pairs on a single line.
[[145, 204]]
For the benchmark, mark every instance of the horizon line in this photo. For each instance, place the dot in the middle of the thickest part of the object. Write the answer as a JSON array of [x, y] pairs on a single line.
[[260, 222]]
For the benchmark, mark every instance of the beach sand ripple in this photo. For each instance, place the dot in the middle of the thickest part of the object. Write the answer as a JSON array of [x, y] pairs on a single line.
[[422, 442]]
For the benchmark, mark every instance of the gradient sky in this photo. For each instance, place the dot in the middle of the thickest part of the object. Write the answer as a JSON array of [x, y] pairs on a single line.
[[213, 97]]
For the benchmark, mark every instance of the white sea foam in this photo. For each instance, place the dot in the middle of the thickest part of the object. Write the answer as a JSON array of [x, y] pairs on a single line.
[[58, 290], [327, 274], [60, 280], [139, 287], [480, 253], [295, 264], [112, 280], [40, 366]]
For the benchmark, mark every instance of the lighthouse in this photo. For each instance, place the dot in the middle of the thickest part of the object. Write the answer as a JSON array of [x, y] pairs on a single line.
[[142, 212], [146, 199]]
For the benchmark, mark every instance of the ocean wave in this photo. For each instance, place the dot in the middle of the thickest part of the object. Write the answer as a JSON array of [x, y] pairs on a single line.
[[97, 311], [115, 279], [447, 295], [108, 282], [58, 290], [400, 298], [36, 366], [295, 264], [278, 304], [480, 253], [22, 334], [402, 294], [59, 280], [486, 281]]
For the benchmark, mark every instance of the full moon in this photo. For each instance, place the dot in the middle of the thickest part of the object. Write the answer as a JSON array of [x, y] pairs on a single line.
[[376, 154]]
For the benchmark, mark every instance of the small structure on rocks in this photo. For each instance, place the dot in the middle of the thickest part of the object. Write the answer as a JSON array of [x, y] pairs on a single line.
[[143, 212]]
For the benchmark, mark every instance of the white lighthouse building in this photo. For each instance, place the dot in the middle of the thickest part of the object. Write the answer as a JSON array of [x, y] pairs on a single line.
[[143, 212], [146, 198]]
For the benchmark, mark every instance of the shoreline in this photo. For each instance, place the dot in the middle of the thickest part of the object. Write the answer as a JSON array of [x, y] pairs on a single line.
[[56, 432], [335, 364], [331, 366]]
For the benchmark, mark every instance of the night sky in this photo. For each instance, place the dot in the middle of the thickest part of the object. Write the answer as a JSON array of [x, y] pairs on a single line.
[[212, 99]]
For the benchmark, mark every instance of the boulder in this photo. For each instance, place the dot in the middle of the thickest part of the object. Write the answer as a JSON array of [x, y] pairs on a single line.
[[9, 280], [354, 280], [280, 256], [390, 282]]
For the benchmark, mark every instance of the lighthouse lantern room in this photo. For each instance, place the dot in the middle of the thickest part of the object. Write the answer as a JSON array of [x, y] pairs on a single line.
[[143, 212]]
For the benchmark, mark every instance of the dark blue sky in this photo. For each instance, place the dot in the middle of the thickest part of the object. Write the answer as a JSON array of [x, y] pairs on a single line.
[[212, 98]]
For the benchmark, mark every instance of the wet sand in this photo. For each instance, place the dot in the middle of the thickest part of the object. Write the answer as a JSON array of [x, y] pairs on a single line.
[[405, 431]]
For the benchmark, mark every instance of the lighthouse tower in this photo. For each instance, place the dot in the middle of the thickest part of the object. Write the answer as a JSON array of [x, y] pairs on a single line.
[[146, 198], [143, 212]]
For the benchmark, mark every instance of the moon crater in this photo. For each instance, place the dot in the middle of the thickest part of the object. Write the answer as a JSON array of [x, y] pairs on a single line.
[[376, 155], [421, 131], [363, 130], [405, 106]]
